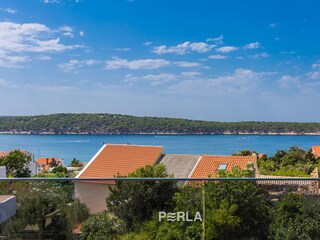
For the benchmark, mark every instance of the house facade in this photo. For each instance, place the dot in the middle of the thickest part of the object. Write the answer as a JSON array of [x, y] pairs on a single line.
[[8, 205], [3, 172], [112, 160]]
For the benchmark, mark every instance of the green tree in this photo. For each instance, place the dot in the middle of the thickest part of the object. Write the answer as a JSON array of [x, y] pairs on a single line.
[[46, 174], [102, 226], [245, 152], [75, 163], [295, 162], [53, 163], [60, 169], [233, 210], [294, 217], [16, 163], [243, 202], [47, 207], [187, 199], [78, 213], [136, 201]]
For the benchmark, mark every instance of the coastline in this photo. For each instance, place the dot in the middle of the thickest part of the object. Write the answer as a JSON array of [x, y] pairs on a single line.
[[159, 133]]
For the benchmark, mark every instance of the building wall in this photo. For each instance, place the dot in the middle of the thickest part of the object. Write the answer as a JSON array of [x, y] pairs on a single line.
[[93, 195], [34, 167], [3, 173], [7, 208]]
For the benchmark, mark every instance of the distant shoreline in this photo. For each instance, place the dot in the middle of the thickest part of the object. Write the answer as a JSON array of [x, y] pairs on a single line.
[[116, 124], [162, 133]]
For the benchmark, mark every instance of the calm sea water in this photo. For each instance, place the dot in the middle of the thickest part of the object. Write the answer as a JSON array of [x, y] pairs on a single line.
[[83, 147]]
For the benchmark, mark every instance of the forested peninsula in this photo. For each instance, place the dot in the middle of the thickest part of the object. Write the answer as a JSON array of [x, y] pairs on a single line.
[[125, 124]]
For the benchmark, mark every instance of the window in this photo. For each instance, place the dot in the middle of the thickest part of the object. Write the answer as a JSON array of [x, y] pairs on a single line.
[[222, 166]]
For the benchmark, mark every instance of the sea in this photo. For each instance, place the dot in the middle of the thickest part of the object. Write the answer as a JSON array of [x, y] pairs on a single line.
[[84, 147]]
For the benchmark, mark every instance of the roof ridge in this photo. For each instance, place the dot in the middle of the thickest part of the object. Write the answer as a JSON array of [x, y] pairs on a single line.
[[129, 144]]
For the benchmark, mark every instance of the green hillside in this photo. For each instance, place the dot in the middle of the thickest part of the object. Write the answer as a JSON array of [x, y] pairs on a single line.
[[125, 124]]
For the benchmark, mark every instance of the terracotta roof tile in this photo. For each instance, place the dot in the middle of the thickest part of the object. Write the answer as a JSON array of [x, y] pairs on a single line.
[[120, 159], [316, 150], [77, 229], [46, 161], [208, 164], [3, 154]]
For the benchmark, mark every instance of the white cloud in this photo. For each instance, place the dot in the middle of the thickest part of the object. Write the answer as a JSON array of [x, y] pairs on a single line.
[[51, 1], [147, 43], [66, 28], [68, 34], [12, 61], [314, 74], [287, 52], [81, 33], [54, 89], [217, 56], [67, 31], [287, 81], [190, 74], [184, 48], [226, 49], [8, 10], [253, 45], [44, 57], [158, 79], [260, 55], [187, 64], [241, 81], [217, 40], [272, 25], [122, 49], [179, 49], [316, 66], [154, 79], [3, 82], [117, 63], [73, 64], [18, 39], [201, 47], [38, 87]]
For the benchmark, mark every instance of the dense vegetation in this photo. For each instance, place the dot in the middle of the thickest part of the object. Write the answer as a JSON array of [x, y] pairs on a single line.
[[233, 210], [294, 162], [124, 124], [45, 210], [16, 163]]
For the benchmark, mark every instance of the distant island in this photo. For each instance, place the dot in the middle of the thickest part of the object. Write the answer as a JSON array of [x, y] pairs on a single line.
[[66, 123]]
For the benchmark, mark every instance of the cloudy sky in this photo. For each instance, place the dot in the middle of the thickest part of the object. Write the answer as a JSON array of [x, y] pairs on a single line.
[[210, 60]]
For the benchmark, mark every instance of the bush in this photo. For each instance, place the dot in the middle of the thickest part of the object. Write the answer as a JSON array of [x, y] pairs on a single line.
[[102, 226]]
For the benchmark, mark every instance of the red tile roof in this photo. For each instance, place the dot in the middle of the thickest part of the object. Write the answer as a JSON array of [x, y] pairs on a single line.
[[316, 150], [114, 159], [46, 161], [77, 229], [208, 164], [3, 154]]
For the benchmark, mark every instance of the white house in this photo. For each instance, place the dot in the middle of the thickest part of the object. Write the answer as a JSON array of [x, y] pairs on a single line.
[[8, 205]]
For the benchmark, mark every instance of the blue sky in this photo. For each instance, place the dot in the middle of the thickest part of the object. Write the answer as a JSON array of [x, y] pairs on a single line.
[[210, 60]]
